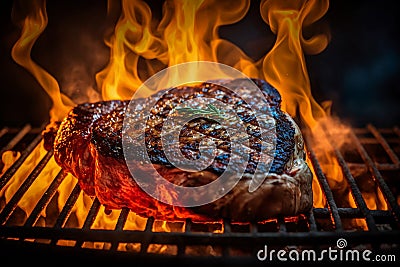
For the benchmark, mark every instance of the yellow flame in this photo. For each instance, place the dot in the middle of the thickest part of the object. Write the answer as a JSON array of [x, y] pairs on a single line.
[[39, 186], [319, 200], [285, 66], [132, 39]]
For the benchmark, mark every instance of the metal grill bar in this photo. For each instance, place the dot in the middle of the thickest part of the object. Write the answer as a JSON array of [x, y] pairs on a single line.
[[66, 211], [356, 193], [227, 230], [382, 215], [17, 164], [94, 210], [67, 208], [377, 175], [3, 131], [147, 238], [187, 229], [281, 223], [384, 144], [313, 224], [325, 186], [12, 204], [123, 216], [16, 138], [396, 130], [45, 199]]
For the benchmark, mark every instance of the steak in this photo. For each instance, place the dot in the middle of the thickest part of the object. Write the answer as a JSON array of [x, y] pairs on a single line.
[[88, 144]]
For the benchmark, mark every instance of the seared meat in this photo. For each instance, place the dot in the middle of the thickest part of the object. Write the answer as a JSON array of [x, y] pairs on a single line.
[[88, 144]]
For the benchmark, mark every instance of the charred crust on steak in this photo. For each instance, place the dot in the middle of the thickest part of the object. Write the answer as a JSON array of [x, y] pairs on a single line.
[[107, 130], [49, 135]]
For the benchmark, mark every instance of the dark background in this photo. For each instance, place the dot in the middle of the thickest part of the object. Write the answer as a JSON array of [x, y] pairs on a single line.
[[358, 71]]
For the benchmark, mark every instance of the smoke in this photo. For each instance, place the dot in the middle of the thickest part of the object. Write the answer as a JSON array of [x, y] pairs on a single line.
[[78, 52], [78, 72]]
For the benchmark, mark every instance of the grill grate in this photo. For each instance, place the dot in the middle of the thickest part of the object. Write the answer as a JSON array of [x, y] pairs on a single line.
[[229, 242]]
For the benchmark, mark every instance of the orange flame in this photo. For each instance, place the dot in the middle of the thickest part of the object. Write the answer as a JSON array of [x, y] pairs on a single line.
[[140, 45], [32, 27], [285, 66], [132, 39], [7, 160]]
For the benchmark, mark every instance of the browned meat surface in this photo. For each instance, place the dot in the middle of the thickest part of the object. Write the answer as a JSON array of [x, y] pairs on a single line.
[[88, 144]]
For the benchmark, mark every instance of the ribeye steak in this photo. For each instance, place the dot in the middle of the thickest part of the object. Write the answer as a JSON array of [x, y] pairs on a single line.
[[88, 144]]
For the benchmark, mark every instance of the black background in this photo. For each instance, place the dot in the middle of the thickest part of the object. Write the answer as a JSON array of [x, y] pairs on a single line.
[[358, 71]]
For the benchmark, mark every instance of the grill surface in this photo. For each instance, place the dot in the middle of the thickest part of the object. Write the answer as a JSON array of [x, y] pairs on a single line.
[[376, 157]]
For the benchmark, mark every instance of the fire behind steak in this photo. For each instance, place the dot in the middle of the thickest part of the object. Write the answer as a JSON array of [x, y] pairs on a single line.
[[88, 144]]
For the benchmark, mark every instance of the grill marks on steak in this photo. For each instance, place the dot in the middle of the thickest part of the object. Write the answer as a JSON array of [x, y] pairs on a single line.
[[88, 144], [107, 130]]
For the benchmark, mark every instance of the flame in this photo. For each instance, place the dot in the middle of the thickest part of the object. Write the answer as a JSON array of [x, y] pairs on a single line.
[[22, 173], [132, 39], [285, 66], [7, 159], [32, 27], [188, 31], [140, 45]]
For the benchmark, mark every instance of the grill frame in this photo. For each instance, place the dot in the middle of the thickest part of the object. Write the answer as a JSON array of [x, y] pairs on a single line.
[[11, 235]]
